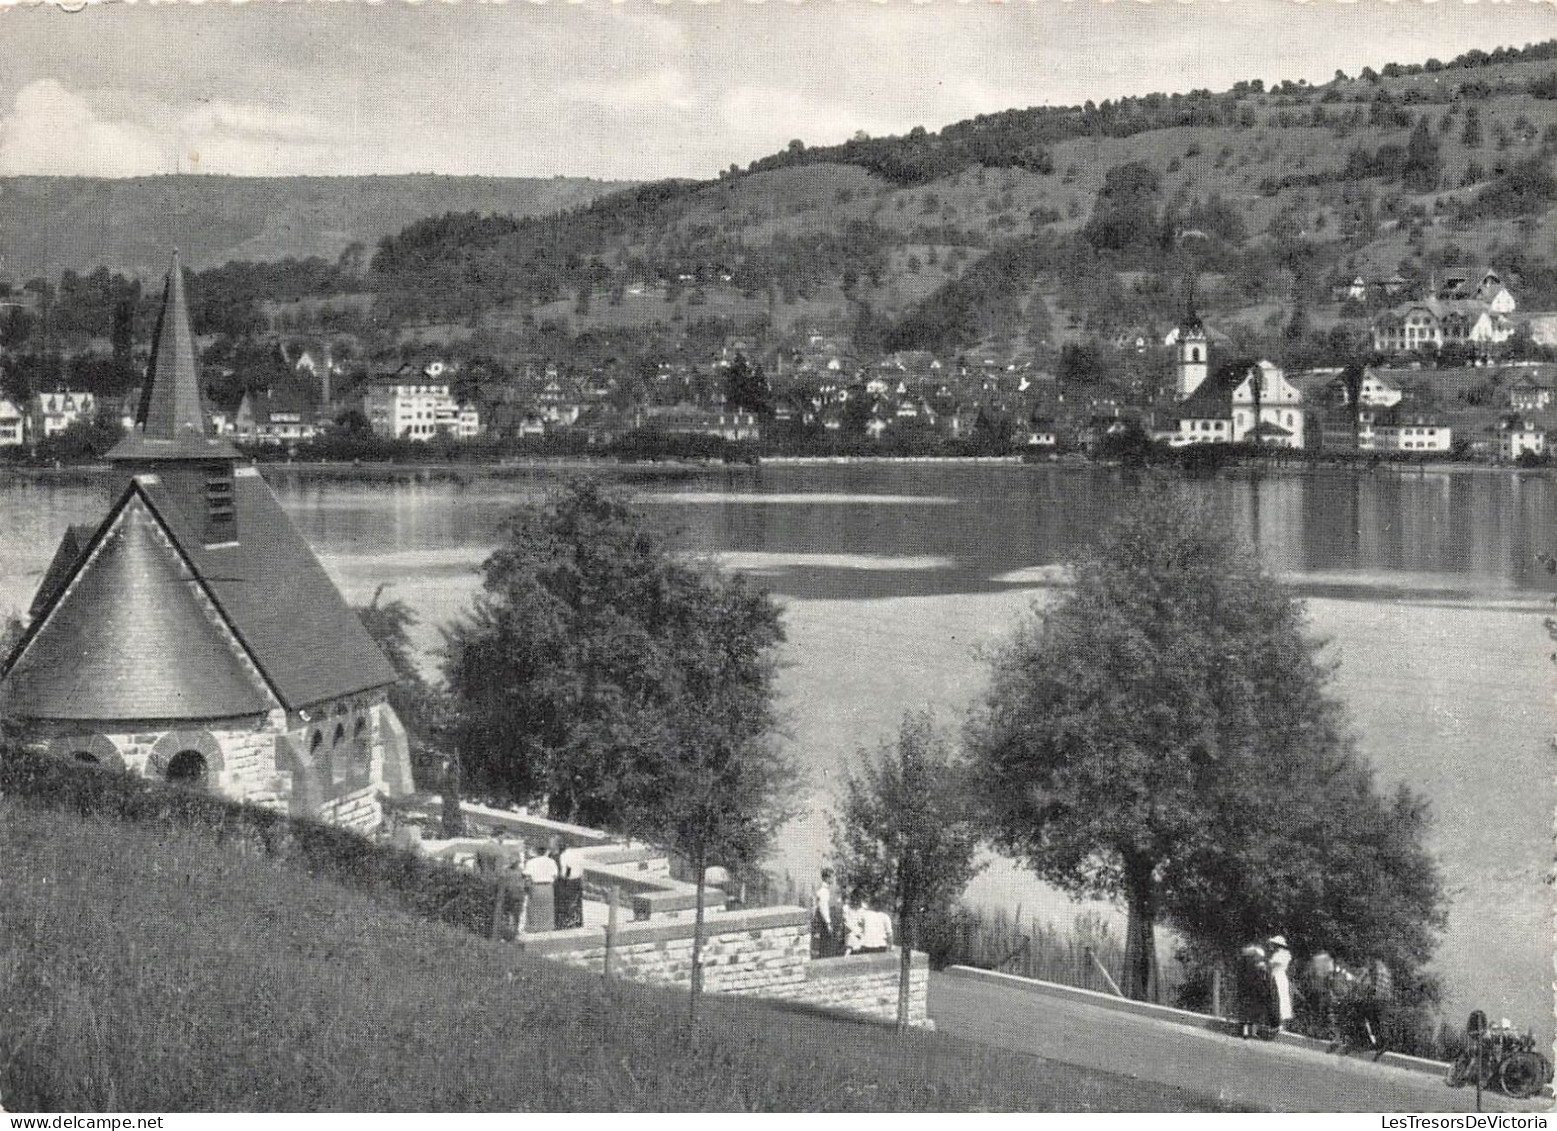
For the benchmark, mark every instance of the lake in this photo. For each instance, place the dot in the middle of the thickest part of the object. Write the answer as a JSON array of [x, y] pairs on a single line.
[[1427, 587]]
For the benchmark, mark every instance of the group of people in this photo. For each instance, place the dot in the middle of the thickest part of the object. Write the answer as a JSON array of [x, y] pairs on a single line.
[[1264, 988], [1346, 1006], [851, 926], [544, 891]]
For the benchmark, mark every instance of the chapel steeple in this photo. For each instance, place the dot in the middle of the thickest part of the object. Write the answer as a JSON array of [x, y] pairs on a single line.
[[170, 422], [169, 439]]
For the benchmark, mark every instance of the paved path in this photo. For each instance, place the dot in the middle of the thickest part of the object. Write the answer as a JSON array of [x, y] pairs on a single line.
[[1266, 1075]]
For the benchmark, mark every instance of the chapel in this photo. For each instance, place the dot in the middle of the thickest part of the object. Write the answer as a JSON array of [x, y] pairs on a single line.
[[193, 636]]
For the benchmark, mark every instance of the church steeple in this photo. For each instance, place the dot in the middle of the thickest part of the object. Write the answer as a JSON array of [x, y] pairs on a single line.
[[169, 440], [170, 423]]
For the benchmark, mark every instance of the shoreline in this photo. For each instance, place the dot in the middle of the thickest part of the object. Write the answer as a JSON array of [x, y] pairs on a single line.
[[466, 472]]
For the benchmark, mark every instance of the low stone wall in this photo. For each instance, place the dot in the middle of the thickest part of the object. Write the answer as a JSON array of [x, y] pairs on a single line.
[[361, 810], [763, 952], [868, 984]]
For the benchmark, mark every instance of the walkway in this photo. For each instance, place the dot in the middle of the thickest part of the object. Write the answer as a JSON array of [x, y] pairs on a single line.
[[1266, 1075]]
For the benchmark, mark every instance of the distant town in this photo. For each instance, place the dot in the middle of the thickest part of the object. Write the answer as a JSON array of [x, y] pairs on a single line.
[[1457, 373]]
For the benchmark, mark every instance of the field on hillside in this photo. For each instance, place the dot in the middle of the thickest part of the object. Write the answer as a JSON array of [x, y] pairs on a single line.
[[145, 969]]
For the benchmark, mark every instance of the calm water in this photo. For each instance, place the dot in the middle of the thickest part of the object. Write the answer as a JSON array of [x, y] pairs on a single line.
[[1427, 588]]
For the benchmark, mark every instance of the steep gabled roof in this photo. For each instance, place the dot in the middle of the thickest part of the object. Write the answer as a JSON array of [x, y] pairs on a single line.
[[1213, 398], [130, 636], [280, 602], [170, 423], [72, 547]]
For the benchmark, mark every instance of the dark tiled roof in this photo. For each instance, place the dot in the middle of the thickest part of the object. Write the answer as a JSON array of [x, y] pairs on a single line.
[[1213, 399], [278, 598], [71, 547], [131, 639], [170, 423]]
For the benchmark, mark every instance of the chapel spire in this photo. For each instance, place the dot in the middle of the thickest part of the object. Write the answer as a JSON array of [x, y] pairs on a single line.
[[170, 423]]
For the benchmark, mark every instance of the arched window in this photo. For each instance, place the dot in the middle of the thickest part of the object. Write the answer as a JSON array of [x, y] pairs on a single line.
[[187, 767], [340, 734], [315, 742], [1194, 353]]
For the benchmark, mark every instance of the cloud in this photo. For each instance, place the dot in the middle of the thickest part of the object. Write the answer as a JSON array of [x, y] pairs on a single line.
[[53, 130], [666, 88]]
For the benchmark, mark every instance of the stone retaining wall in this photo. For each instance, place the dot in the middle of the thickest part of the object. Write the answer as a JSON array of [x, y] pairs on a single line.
[[763, 952]]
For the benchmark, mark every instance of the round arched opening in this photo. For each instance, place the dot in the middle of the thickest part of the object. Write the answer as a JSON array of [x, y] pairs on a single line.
[[340, 734], [187, 767]]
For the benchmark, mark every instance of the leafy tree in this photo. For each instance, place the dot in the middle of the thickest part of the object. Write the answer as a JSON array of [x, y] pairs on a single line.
[[426, 711], [1422, 167], [583, 659], [1471, 132], [905, 836], [746, 387], [1125, 214], [1165, 733]]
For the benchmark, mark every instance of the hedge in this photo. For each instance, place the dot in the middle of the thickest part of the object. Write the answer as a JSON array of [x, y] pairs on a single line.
[[426, 888]]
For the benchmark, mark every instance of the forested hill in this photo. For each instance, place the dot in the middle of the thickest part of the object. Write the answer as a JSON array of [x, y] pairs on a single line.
[[51, 224], [1045, 224]]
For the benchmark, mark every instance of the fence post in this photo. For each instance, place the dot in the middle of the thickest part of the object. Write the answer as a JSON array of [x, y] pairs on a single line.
[[610, 942]]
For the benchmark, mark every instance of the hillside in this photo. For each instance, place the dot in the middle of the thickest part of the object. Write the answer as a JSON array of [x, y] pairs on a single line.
[[1265, 196], [145, 969], [50, 224]]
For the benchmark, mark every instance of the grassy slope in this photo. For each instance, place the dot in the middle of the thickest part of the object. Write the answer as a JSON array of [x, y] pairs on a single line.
[[143, 969], [52, 223]]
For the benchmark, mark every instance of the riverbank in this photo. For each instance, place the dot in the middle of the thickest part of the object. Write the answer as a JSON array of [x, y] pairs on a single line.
[[661, 470]]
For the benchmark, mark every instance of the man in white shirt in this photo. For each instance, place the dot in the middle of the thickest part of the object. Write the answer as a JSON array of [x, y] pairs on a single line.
[[822, 917], [875, 931]]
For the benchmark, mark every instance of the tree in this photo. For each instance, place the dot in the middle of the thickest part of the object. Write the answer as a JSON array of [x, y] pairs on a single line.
[[1165, 734], [746, 387], [426, 711], [905, 836], [578, 665]]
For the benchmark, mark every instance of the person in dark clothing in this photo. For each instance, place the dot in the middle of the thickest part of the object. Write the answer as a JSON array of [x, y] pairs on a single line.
[[568, 888], [1254, 991]]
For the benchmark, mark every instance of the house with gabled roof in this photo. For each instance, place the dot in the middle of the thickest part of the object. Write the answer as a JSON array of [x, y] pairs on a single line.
[[193, 636]]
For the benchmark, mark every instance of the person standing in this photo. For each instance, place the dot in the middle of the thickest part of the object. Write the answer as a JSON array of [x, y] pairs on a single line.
[[875, 931], [540, 873], [822, 917], [569, 888], [1253, 990], [1277, 959]]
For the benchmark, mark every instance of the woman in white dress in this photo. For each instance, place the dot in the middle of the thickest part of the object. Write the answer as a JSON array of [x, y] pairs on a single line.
[[1277, 959]]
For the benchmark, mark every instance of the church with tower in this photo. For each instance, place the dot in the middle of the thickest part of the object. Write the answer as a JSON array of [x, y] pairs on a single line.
[[1242, 401], [193, 636]]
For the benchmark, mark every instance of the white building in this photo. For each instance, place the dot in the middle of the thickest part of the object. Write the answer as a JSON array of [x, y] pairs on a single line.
[[1391, 432], [418, 406], [13, 424], [54, 412], [1516, 437]]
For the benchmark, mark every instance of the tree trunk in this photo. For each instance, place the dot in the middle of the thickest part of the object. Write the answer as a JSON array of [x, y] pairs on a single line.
[[453, 815], [1140, 958], [904, 970], [697, 943]]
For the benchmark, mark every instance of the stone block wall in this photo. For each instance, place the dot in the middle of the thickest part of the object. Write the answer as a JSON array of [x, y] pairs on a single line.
[[868, 984], [758, 952], [762, 952], [361, 810]]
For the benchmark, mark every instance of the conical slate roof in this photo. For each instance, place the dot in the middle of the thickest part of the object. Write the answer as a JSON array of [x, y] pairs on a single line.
[[131, 638], [170, 424]]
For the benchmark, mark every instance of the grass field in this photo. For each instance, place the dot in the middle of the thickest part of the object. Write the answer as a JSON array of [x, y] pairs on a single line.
[[145, 969]]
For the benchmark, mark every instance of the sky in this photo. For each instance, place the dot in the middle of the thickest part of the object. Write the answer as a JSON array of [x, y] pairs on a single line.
[[633, 89]]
